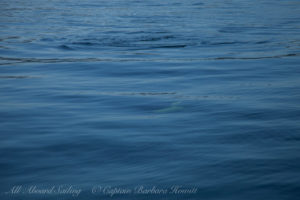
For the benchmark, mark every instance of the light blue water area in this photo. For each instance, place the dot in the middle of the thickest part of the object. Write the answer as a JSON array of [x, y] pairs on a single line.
[[198, 94]]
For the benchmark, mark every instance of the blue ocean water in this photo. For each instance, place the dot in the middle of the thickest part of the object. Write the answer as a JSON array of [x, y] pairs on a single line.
[[105, 96]]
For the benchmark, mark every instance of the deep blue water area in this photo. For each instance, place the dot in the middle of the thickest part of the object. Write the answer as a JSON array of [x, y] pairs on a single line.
[[104, 96]]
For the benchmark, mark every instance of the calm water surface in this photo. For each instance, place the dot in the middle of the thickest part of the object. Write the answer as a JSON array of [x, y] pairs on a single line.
[[198, 94]]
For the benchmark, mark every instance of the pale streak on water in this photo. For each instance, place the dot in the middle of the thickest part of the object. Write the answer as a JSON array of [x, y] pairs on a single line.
[[157, 93]]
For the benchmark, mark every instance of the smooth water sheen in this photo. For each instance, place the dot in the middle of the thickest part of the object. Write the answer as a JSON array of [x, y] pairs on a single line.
[[114, 93]]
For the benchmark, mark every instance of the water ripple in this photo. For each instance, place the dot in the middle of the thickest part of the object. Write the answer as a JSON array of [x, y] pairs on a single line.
[[70, 60]]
